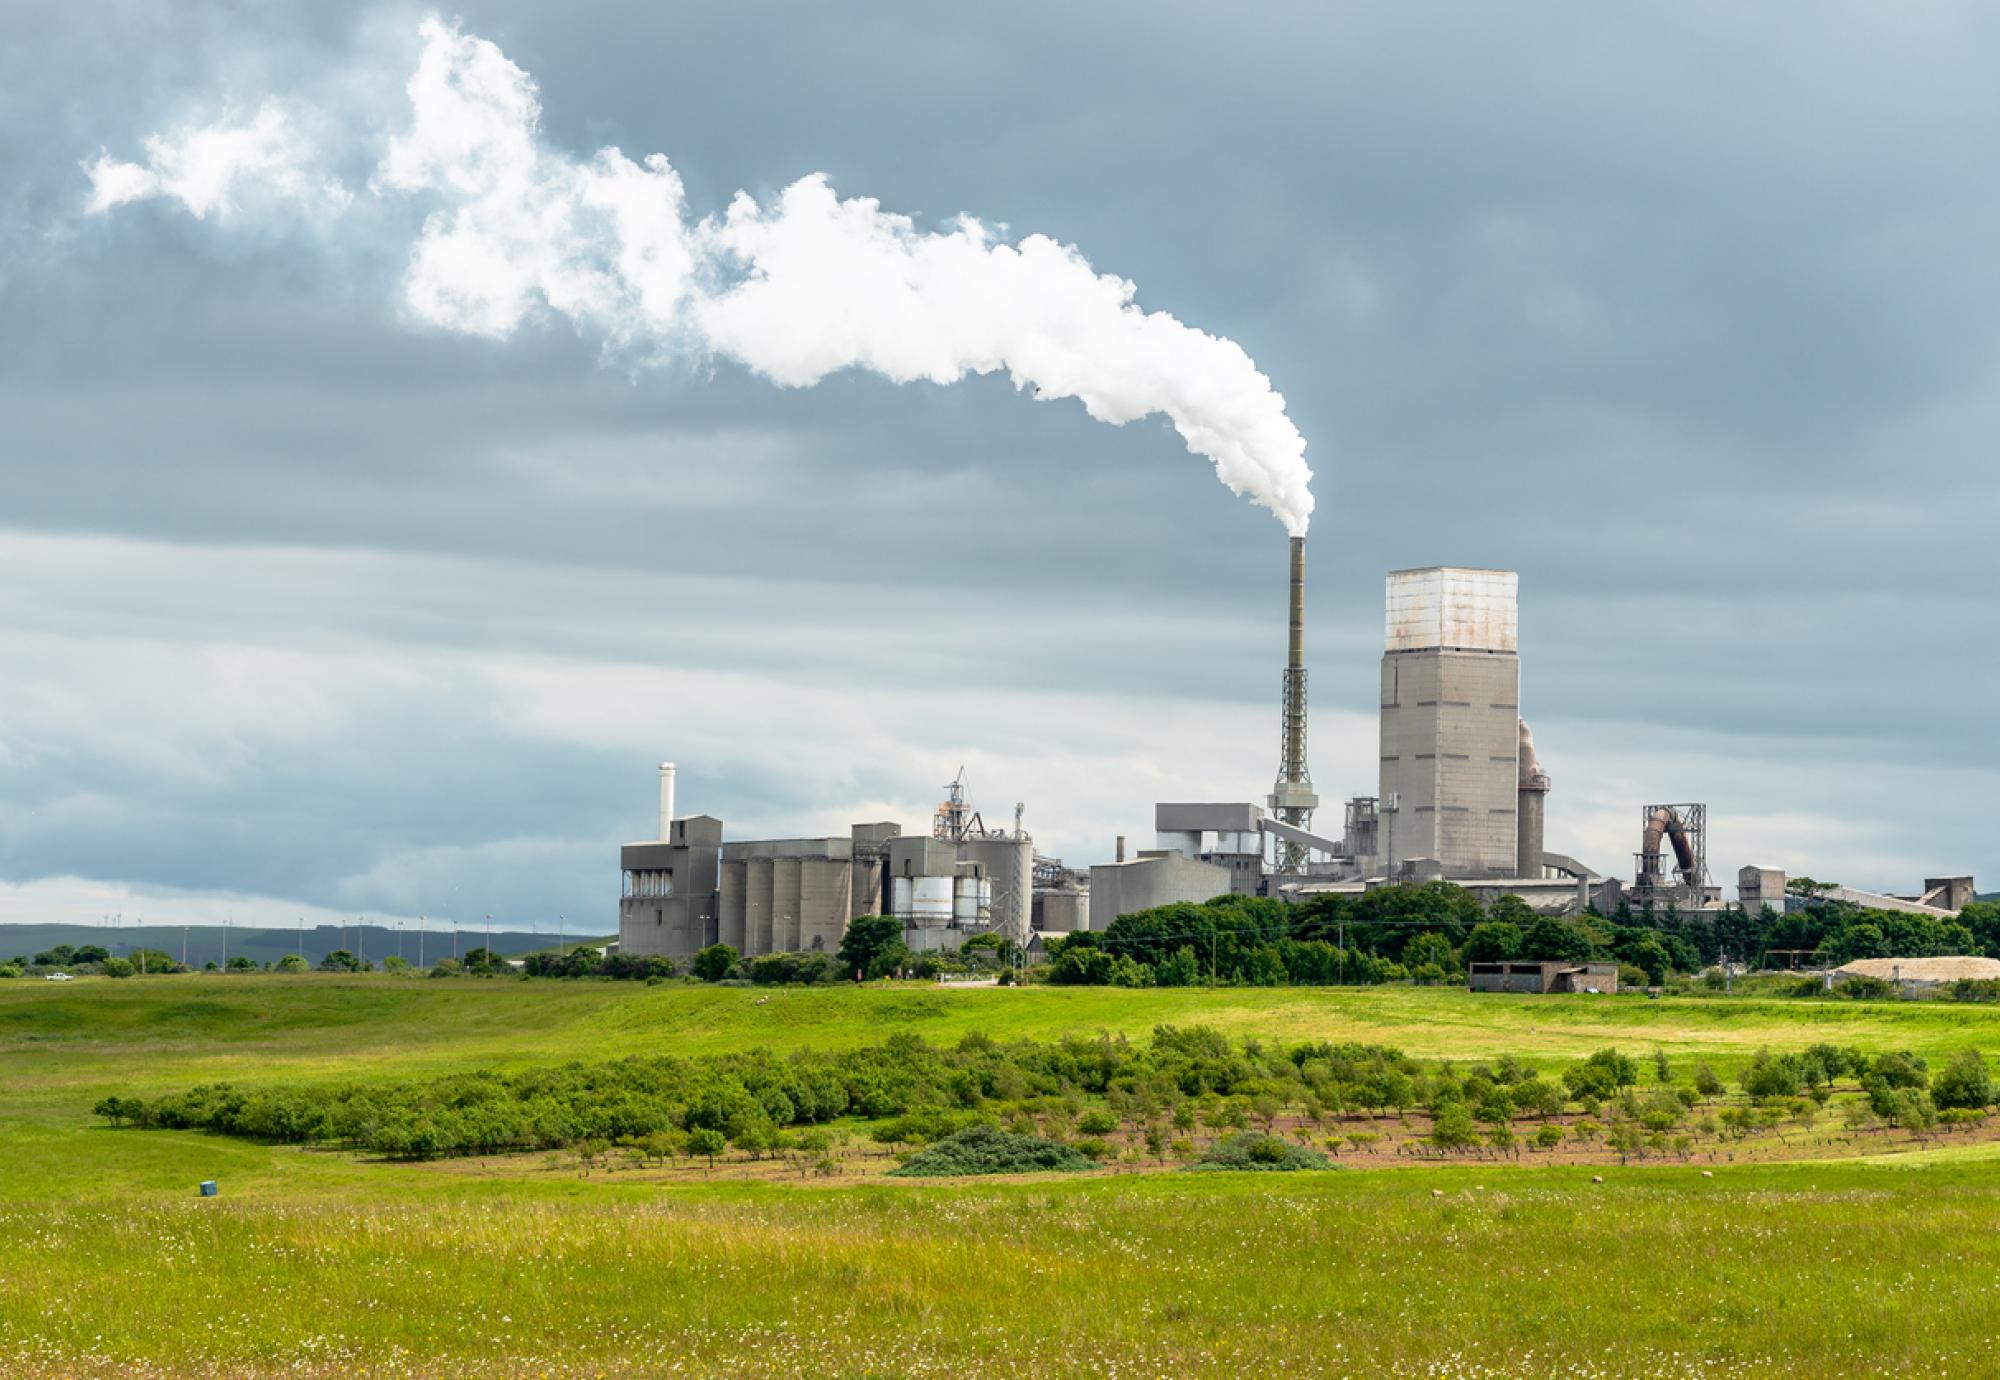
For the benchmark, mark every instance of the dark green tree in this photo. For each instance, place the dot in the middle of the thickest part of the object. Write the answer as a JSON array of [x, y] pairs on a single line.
[[1550, 938], [1964, 1082], [869, 938], [1492, 941], [714, 963]]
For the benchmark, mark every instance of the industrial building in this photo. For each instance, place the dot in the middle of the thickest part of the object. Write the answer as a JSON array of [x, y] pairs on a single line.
[[1941, 898], [797, 895], [691, 888], [1451, 722], [1461, 795], [1527, 975]]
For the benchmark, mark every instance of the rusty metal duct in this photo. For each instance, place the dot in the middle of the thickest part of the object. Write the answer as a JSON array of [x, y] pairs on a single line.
[[1292, 797], [1666, 821]]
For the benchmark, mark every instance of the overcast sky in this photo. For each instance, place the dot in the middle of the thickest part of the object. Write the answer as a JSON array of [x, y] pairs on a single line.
[[1687, 313]]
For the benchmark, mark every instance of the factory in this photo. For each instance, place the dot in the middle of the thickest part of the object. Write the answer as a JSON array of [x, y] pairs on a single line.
[[1461, 795], [693, 887]]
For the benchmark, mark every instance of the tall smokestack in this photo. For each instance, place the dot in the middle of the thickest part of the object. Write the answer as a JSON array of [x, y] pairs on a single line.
[[1292, 797], [666, 801]]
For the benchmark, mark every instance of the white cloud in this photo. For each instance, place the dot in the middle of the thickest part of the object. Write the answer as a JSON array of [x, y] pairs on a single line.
[[209, 168]]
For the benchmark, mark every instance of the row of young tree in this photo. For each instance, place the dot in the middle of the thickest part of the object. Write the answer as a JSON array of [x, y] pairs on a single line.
[[1430, 933], [1103, 1096]]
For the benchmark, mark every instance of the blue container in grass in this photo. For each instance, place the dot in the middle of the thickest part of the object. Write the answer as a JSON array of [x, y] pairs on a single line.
[[208, 1189]]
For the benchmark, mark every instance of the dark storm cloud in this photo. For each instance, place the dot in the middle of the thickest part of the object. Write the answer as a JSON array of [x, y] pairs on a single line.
[[1687, 313]]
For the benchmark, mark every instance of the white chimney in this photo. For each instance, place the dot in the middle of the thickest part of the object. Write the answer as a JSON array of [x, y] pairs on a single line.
[[666, 800]]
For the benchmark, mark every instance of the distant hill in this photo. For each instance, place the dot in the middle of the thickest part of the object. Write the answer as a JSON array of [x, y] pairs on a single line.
[[206, 943]]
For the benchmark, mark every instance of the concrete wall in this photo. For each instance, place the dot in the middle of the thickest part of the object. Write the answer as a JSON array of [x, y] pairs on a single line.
[[1450, 750], [1152, 879]]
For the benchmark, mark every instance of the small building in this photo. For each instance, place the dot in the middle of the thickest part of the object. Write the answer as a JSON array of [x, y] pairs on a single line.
[[1038, 944], [1543, 975]]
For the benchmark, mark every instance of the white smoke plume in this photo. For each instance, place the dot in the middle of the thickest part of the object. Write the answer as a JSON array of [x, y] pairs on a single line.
[[205, 166], [795, 290]]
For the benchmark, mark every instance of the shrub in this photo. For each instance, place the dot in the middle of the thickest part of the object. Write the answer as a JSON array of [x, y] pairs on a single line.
[[1963, 1083], [1861, 987], [10, 970], [1773, 1076], [714, 963], [1097, 1122], [985, 1149], [118, 967], [1252, 1150]]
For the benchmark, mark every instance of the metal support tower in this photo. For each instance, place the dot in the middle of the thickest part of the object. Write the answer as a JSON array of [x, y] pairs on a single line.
[[1292, 799]]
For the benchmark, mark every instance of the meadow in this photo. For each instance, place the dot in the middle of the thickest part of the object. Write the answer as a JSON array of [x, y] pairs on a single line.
[[320, 1263]]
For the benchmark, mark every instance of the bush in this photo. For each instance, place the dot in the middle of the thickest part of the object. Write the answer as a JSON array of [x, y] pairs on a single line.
[[1861, 987], [118, 967], [10, 970], [1768, 1076], [1963, 1083], [714, 963], [985, 1149], [1253, 1150], [291, 963]]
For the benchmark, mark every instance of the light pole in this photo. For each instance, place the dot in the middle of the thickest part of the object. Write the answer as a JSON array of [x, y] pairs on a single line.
[[420, 941], [184, 946], [360, 942], [454, 939], [302, 939]]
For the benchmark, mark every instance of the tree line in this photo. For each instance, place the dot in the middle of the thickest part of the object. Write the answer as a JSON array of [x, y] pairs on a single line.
[[1431, 932], [1102, 1097]]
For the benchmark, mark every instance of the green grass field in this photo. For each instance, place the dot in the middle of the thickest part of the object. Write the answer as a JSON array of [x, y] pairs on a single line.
[[317, 1263]]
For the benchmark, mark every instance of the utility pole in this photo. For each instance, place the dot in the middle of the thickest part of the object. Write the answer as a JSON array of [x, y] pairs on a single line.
[[302, 939], [227, 921], [1343, 951], [1211, 953], [454, 938], [420, 941], [360, 940], [184, 946]]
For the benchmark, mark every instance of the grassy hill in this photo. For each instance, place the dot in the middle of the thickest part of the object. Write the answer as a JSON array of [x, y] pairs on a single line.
[[324, 1264]]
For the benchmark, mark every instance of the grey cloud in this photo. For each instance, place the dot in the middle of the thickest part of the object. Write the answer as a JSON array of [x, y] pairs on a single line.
[[1686, 313]]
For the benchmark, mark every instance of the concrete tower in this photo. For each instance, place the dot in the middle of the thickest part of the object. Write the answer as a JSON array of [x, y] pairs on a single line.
[[1292, 798], [1451, 721]]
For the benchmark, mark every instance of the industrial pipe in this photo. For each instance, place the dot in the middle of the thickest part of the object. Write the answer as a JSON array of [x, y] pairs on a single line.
[[666, 801], [1296, 655], [1667, 821]]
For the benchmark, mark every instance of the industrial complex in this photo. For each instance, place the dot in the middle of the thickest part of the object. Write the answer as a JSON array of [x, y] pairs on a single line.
[[1461, 796]]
